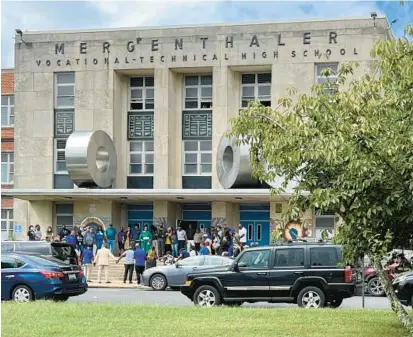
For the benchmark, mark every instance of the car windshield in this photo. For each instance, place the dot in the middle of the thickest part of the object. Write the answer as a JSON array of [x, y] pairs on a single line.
[[191, 261]]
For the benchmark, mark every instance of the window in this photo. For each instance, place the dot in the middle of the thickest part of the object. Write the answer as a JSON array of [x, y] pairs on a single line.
[[65, 90], [141, 157], [7, 167], [7, 110], [198, 157], [198, 92], [8, 262], [215, 261], [64, 216], [6, 224], [320, 79], [289, 257], [324, 256], [191, 261], [60, 156], [323, 223], [141, 93], [256, 86], [255, 259]]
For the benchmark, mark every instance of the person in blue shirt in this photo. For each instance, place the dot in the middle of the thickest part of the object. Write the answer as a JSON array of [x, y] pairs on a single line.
[[72, 239], [111, 237], [140, 258], [204, 250], [87, 262], [183, 254], [99, 236]]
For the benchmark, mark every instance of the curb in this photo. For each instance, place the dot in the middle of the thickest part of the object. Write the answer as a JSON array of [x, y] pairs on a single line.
[[116, 286]]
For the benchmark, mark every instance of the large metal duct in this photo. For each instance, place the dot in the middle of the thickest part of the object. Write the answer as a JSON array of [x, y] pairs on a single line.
[[233, 165], [91, 159]]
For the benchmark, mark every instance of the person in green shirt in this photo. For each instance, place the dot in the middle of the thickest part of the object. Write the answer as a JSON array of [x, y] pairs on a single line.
[[146, 239], [111, 238]]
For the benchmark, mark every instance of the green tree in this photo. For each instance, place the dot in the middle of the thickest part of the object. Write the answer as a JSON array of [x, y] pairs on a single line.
[[350, 144]]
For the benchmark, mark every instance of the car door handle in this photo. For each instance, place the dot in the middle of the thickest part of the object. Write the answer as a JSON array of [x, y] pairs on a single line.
[[262, 273], [9, 276], [298, 272]]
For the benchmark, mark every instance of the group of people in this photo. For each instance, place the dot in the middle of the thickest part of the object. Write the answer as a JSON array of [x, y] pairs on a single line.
[[35, 233]]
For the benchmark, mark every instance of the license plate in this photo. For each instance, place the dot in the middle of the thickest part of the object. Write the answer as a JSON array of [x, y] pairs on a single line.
[[72, 277]]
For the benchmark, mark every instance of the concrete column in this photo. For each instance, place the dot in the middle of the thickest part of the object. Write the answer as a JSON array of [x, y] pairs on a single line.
[[225, 94], [120, 127], [225, 212], [167, 136], [164, 212]]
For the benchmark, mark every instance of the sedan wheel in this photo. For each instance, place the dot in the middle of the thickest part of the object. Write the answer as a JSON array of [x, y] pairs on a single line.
[[22, 294], [375, 287], [158, 282]]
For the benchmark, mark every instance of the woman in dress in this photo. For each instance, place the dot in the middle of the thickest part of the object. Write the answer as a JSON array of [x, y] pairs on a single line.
[[146, 239], [127, 241]]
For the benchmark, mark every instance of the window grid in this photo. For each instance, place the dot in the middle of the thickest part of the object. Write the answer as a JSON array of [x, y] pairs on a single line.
[[197, 158], [141, 158], [6, 223], [197, 92], [256, 86], [141, 93], [7, 167], [60, 156], [65, 90], [7, 110], [63, 217]]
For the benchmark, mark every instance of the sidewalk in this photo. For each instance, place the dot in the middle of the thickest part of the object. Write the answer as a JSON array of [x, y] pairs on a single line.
[[117, 284]]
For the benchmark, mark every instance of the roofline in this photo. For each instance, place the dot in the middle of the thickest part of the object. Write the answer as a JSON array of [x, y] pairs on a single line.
[[7, 69], [167, 27]]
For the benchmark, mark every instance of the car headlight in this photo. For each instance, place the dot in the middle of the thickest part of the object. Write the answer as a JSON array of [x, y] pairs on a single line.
[[188, 283]]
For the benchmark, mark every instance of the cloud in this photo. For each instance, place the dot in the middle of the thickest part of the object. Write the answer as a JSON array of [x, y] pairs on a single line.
[[47, 15]]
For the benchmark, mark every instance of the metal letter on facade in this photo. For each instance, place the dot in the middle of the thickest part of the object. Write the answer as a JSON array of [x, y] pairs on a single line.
[[91, 159]]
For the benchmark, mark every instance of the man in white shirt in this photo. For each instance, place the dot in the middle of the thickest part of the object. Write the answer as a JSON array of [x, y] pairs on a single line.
[[181, 235], [242, 232]]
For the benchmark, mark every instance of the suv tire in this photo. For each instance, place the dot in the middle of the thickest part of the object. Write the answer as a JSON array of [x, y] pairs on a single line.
[[375, 288], [311, 297], [207, 296]]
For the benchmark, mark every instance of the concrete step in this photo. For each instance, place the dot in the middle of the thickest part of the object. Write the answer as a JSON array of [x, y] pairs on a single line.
[[115, 273]]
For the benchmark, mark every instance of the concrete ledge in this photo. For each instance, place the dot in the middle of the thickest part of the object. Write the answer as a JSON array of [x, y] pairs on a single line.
[[115, 285]]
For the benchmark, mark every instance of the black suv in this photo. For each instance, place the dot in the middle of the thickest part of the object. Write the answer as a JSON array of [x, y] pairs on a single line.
[[304, 273]]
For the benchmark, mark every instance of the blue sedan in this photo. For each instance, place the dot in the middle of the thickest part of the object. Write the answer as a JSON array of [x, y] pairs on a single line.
[[26, 277]]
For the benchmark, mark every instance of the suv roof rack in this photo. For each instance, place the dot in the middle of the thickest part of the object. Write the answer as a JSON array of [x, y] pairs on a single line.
[[302, 242]]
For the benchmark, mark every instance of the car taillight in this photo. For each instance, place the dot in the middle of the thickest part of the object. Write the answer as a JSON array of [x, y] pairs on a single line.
[[52, 274], [348, 275]]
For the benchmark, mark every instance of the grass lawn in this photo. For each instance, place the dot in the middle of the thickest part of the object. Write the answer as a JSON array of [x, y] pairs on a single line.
[[44, 319]]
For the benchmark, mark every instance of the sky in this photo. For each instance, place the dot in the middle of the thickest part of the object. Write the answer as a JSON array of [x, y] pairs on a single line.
[[66, 15]]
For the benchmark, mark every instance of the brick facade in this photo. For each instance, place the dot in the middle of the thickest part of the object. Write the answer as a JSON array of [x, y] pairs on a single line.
[[7, 133]]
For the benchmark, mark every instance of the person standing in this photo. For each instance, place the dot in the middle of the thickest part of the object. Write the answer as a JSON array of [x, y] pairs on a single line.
[[49, 234], [140, 257], [161, 240], [175, 243], [87, 261], [121, 241], [181, 234], [136, 232], [89, 239], [99, 237], [111, 237], [71, 239], [146, 239], [64, 232], [129, 263], [38, 233], [242, 232], [190, 237], [197, 240], [168, 241], [128, 241], [102, 260], [31, 234]]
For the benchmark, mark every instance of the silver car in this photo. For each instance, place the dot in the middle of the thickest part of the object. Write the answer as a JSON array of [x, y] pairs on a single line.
[[174, 276]]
